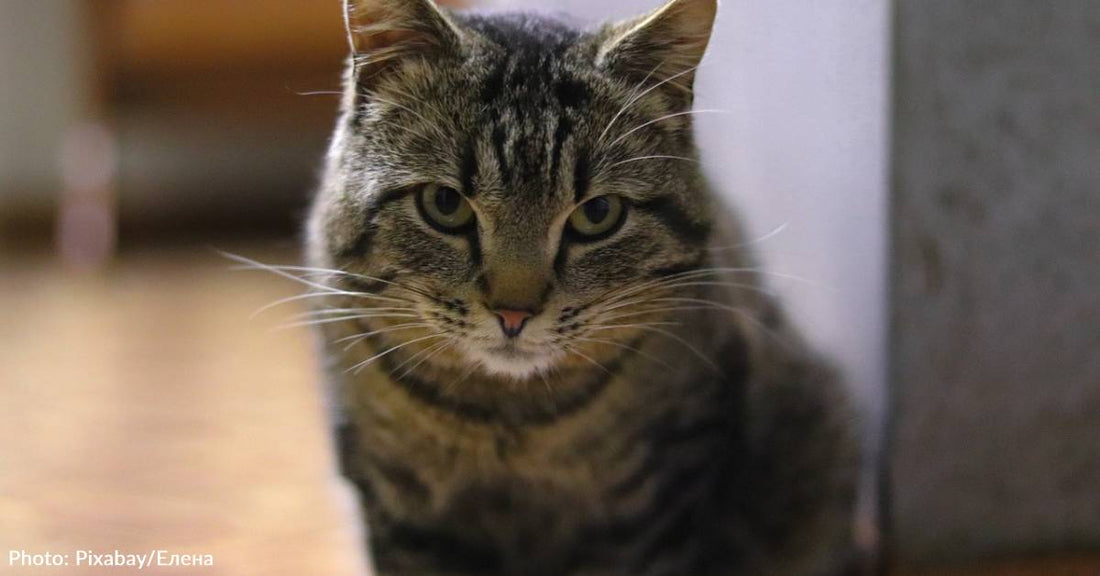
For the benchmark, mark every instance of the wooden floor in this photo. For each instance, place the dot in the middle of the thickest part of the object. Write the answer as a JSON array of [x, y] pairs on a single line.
[[144, 409]]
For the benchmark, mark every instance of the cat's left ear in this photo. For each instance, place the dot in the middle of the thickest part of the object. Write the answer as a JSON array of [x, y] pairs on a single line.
[[666, 45]]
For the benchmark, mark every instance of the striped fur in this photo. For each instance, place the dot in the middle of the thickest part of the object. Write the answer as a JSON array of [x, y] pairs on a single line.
[[658, 415]]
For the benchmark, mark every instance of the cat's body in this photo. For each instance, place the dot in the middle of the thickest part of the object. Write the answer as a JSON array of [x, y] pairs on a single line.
[[681, 472], [642, 407]]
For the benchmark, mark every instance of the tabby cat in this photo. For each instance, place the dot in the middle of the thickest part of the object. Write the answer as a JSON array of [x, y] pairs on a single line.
[[551, 352]]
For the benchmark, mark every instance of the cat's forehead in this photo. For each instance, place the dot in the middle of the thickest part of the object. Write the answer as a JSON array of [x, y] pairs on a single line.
[[534, 91], [527, 35], [531, 62]]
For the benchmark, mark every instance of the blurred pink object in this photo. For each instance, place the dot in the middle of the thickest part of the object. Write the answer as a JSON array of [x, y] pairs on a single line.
[[87, 222]]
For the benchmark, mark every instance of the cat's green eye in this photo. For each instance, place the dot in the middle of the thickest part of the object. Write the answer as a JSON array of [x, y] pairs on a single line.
[[598, 217], [444, 208]]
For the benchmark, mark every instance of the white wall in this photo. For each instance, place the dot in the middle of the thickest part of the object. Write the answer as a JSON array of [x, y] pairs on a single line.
[[803, 147]]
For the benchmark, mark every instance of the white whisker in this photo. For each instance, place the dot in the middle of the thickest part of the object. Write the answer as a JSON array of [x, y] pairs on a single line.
[[622, 346], [433, 125], [775, 232], [325, 321], [654, 157], [431, 352], [318, 93], [358, 295], [685, 343], [249, 264], [636, 325], [646, 311], [698, 301], [662, 119], [357, 338], [546, 382], [639, 85], [325, 271], [638, 97], [716, 283], [760, 271], [573, 350], [632, 289], [335, 311], [691, 274], [664, 290], [740, 313], [461, 378], [359, 367]]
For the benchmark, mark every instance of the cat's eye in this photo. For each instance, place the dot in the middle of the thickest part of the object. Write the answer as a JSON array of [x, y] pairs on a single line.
[[445, 208], [598, 217]]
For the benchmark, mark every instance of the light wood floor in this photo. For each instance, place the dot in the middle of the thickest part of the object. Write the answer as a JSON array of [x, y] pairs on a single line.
[[144, 409]]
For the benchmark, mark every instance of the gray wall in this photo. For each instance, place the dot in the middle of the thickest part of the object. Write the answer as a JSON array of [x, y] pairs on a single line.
[[996, 324]]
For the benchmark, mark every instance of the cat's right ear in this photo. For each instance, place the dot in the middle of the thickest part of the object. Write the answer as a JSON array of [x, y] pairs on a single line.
[[385, 33]]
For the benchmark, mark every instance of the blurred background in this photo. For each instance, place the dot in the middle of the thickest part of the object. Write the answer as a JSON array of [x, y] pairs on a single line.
[[929, 169]]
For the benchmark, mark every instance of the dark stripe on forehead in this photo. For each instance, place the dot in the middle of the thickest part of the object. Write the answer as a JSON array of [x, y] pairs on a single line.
[[500, 142], [493, 87], [468, 170], [676, 218], [561, 134], [528, 150], [580, 176], [571, 93]]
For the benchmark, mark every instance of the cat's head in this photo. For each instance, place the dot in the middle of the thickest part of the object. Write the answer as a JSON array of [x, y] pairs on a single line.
[[509, 183]]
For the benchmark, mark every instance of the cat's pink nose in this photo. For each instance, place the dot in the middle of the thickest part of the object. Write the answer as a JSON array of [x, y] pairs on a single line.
[[512, 321]]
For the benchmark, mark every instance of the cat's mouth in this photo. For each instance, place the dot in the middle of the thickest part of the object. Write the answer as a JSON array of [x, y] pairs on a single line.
[[513, 352], [513, 359], [510, 349]]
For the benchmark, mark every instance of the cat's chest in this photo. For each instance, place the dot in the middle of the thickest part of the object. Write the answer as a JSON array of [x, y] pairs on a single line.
[[517, 498], [501, 476]]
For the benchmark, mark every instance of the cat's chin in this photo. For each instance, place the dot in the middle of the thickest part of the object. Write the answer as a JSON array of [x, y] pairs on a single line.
[[513, 362]]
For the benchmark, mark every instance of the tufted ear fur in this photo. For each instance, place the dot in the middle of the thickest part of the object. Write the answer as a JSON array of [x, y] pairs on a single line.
[[665, 45], [385, 33]]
